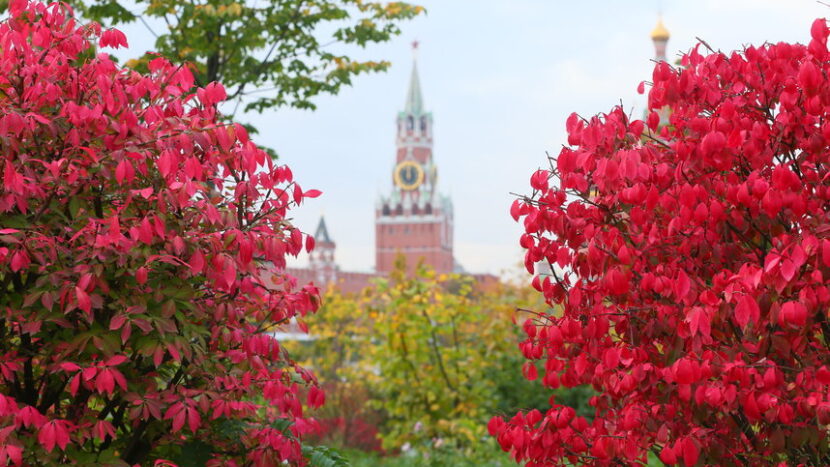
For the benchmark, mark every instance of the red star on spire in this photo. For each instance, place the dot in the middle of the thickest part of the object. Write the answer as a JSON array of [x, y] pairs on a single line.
[[415, 45]]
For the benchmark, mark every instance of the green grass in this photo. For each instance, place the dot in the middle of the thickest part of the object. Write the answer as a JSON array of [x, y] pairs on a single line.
[[434, 459]]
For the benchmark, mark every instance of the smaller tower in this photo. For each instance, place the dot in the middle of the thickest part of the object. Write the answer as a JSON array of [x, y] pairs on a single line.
[[321, 261], [660, 37]]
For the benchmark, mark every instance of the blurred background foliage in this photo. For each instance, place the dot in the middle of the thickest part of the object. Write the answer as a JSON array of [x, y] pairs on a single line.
[[414, 367]]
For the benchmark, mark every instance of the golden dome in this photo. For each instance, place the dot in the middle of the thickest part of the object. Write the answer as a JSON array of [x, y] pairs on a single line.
[[660, 33]]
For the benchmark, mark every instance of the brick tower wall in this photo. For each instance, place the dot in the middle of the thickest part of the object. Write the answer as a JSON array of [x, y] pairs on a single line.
[[424, 239]]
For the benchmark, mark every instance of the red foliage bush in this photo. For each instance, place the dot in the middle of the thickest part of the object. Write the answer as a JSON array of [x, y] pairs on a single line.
[[352, 432], [142, 250], [692, 264], [347, 421]]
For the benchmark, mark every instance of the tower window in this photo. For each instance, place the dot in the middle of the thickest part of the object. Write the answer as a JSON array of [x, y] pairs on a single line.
[[424, 125], [410, 123], [399, 210], [386, 211], [428, 208]]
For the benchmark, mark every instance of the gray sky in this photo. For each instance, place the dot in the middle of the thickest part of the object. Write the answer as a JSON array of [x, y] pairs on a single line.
[[501, 77]]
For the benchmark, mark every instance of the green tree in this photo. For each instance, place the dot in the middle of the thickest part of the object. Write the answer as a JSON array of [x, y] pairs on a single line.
[[267, 53], [427, 358]]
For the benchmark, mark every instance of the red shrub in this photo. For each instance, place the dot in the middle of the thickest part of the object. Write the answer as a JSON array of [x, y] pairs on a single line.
[[692, 265], [135, 228]]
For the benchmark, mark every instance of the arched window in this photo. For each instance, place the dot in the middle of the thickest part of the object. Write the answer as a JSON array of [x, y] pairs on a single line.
[[386, 211], [399, 210], [428, 208], [410, 123], [424, 125]]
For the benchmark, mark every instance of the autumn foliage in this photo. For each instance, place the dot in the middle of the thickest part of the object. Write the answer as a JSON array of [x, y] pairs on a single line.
[[692, 263], [142, 250]]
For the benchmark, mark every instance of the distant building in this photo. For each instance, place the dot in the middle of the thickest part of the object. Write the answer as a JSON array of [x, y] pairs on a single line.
[[660, 37], [323, 270], [415, 220]]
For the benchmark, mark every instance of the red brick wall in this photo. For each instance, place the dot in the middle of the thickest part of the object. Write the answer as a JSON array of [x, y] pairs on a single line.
[[416, 241]]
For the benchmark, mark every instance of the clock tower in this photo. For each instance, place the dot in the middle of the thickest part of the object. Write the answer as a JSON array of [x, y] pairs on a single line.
[[415, 220]]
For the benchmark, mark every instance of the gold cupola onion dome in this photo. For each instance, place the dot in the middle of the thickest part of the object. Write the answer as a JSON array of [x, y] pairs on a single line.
[[660, 33]]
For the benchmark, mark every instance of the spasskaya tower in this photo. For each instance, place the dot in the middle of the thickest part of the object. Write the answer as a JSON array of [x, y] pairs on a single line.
[[415, 219]]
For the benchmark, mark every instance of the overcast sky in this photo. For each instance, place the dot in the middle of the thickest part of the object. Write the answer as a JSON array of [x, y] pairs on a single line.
[[501, 77]]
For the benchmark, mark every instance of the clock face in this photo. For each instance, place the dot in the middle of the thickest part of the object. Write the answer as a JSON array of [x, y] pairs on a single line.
[[409, 175]]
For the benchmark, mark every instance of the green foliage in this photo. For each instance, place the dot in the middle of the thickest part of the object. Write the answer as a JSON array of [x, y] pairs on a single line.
[[429, 358], [432, 351], [321, 456], [433, 458], [269, 53]]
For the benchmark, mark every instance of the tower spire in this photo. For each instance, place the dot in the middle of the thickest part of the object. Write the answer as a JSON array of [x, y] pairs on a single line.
[[322, 233], [414, 100], [660, 36]]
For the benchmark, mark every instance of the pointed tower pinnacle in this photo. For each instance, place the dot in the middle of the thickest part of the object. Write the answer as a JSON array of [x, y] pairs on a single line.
[[414, 100], [322, 234]]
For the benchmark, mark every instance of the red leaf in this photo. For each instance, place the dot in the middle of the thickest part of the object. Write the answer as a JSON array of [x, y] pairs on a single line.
[[89, 373], [194, 420], [229, 272], [809, 77], [713, 143], [685, 371], [141, 275], [14, 452], [119, 379], [529, 370], [668, 456], [69, 366], [116, 360], [197, 262], [246, 251], [179, 420], [46, 436], [113, 38], [75, 384], [690, 452], [818, 30], [20, 260], [539, 180], [747, 311], [84, 302], [105, 381], [117, 321], [514, 210], [124, 171], [312, 194], [102, 429], [682, 285], [792, 314], [298, 194], [214, 93]]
